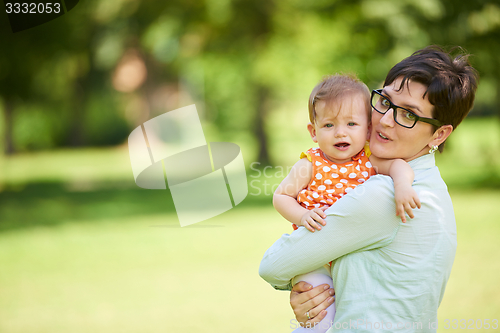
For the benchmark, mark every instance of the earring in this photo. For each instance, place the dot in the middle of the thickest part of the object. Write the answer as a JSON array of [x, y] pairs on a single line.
[[433, 149]]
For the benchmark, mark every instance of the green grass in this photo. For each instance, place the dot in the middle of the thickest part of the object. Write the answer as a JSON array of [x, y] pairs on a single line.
[[82, 249], [146, 274], [473, 291], [141, 274]]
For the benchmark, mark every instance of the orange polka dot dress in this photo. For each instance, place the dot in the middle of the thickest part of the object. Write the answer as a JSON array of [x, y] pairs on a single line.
[[331, 181]]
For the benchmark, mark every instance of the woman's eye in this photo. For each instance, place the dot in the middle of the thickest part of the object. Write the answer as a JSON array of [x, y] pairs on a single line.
[[410, 116], [385, 102]]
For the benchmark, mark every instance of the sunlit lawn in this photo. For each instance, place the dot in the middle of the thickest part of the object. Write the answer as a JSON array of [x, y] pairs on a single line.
[[146, 274], [83, 250], [142, 274]]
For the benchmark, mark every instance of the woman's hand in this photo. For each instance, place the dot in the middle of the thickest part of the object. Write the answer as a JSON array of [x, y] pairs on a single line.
[[305, 299]]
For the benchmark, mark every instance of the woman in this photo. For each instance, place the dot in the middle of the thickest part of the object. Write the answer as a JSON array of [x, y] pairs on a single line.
[[388, 275]]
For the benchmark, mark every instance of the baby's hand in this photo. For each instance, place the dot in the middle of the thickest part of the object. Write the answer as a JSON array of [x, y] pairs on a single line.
[[312, 217], [406, 200]]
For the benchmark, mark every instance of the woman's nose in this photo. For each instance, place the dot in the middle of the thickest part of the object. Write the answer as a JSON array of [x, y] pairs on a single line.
[[387, 119]]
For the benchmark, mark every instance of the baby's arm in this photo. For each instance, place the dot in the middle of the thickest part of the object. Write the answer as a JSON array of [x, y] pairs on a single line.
[[285, 198], [402, 175]]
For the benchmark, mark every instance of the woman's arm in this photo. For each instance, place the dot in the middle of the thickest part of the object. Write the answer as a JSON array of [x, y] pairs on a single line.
[[362, 219]]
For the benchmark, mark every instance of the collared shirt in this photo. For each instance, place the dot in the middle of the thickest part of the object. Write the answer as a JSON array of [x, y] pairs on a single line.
[[388, 276]]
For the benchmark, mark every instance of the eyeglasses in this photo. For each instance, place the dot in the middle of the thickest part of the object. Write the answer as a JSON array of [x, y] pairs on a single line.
[[402, 116]]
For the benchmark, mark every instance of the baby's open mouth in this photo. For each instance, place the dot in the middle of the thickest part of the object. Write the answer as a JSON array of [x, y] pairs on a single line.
[[342, 144]]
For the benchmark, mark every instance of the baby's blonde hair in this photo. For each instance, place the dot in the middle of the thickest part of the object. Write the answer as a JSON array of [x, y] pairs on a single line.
[[336, 87]]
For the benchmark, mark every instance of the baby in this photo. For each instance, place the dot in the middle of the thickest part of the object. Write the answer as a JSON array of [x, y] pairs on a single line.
[[339, 111]]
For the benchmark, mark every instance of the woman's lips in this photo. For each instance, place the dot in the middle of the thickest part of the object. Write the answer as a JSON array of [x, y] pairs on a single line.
[[382, 137]]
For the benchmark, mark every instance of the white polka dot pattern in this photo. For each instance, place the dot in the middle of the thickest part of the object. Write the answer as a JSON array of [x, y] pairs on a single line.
[[326, 187]]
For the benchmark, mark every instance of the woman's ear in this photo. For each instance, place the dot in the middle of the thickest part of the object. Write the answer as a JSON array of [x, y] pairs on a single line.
[[312, 131], [441, 134]]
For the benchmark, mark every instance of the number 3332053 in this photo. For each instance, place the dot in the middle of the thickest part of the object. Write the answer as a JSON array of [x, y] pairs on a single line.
[[33, 8], [471, 324]]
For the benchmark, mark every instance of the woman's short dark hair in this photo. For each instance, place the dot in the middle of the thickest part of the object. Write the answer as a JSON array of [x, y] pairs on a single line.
[[451, 82]]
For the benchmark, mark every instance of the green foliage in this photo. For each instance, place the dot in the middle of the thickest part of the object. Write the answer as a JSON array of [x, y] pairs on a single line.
[[240, 61], [103, 124], [35, 129]]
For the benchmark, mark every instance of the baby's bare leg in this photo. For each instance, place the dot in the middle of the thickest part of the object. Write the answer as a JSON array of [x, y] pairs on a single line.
[[315, 278]]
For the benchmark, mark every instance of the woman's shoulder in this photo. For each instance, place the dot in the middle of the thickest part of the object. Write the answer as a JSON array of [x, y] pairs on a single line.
[[378, 181]]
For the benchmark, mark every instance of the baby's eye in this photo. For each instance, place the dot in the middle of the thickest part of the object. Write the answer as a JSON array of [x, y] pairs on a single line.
[[328, 125], [351, 124]]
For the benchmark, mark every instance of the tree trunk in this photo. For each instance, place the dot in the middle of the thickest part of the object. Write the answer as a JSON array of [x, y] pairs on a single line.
[[8, 125], [76, 124], [260, 125]]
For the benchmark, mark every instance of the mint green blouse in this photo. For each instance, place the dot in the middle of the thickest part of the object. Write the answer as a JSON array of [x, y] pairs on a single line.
[[388, 275]]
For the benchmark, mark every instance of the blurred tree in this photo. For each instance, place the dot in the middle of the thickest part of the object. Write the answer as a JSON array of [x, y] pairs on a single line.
[[474, 25], [40, 65], [239, 34], [245, 59], [17, 68]]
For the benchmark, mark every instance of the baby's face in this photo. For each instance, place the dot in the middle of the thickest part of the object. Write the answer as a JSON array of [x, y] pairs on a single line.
[[341, 127]]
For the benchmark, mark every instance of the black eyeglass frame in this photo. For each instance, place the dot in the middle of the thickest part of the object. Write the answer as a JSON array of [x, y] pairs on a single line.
[[394, 108]]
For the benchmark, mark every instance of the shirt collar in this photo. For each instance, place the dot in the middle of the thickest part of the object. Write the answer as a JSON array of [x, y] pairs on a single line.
[[426, 161]]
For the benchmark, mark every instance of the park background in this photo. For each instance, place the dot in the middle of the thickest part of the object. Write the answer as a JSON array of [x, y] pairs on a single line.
[[83, 249]]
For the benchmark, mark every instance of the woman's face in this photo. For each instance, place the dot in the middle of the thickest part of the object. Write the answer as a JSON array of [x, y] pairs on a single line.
[[390, 140]]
